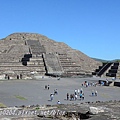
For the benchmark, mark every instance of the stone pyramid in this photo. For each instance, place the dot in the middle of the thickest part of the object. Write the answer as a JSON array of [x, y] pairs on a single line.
[[32, 54]]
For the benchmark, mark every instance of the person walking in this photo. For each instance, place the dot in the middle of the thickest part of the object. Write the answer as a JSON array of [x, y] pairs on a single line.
[[58, 102], [55, 92], [48, 87], [76, 97], [45, 86], [67, 96], [51, 96], [96, 93], [93, 92], [81, 90], [75, 91], [78, 91], [81, 95]]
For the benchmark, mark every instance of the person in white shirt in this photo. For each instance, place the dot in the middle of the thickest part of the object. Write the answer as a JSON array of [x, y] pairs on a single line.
[[58, 102], [51, 96], [78, 91], [76, 97]]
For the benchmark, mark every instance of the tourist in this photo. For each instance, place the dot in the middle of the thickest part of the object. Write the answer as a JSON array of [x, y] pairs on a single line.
[[76, 97], [75, 91], [86, 84], [55, 92], [107, 82], [93, 92], [48, 87], [58, 102], [96, 93], [78, 91], [51, 96], [81, 95], [58, 78], [6, 76], [20, 76], [45, 86], [17, 76], [102, 83], [81, 90], [67, 96], [93, 84], [72, 96]]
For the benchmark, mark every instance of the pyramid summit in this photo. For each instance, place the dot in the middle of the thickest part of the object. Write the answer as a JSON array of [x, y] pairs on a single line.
[[31, 53]]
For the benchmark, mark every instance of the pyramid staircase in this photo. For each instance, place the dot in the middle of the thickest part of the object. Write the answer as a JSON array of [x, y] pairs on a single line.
[[35, 58], [35, 47], [113, 71], [52, 64], [101, 70], [70, 68]]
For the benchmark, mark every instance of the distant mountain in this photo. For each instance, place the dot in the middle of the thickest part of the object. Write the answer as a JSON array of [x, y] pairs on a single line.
[[116, 60], [101, 60]]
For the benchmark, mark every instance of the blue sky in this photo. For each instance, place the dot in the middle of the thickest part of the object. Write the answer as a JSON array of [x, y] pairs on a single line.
[[91, 26]]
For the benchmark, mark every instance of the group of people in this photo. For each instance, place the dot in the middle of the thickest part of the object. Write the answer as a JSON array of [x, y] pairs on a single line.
[[8, 77], [87, 84], [94, 93], [52, 94], [55, 92], [77, 95], [19, 76], [77, 92], [47, 87]]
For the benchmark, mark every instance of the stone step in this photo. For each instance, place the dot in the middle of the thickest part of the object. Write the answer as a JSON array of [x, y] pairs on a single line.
[[36, 59], [35, 63], [65, 66], [22, 68], [10, 63]]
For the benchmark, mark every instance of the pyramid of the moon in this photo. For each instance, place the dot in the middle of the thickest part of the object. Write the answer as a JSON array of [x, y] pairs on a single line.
[[34, 54]]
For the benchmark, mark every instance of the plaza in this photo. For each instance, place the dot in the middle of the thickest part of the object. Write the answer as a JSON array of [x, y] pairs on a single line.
[[33, 92]]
